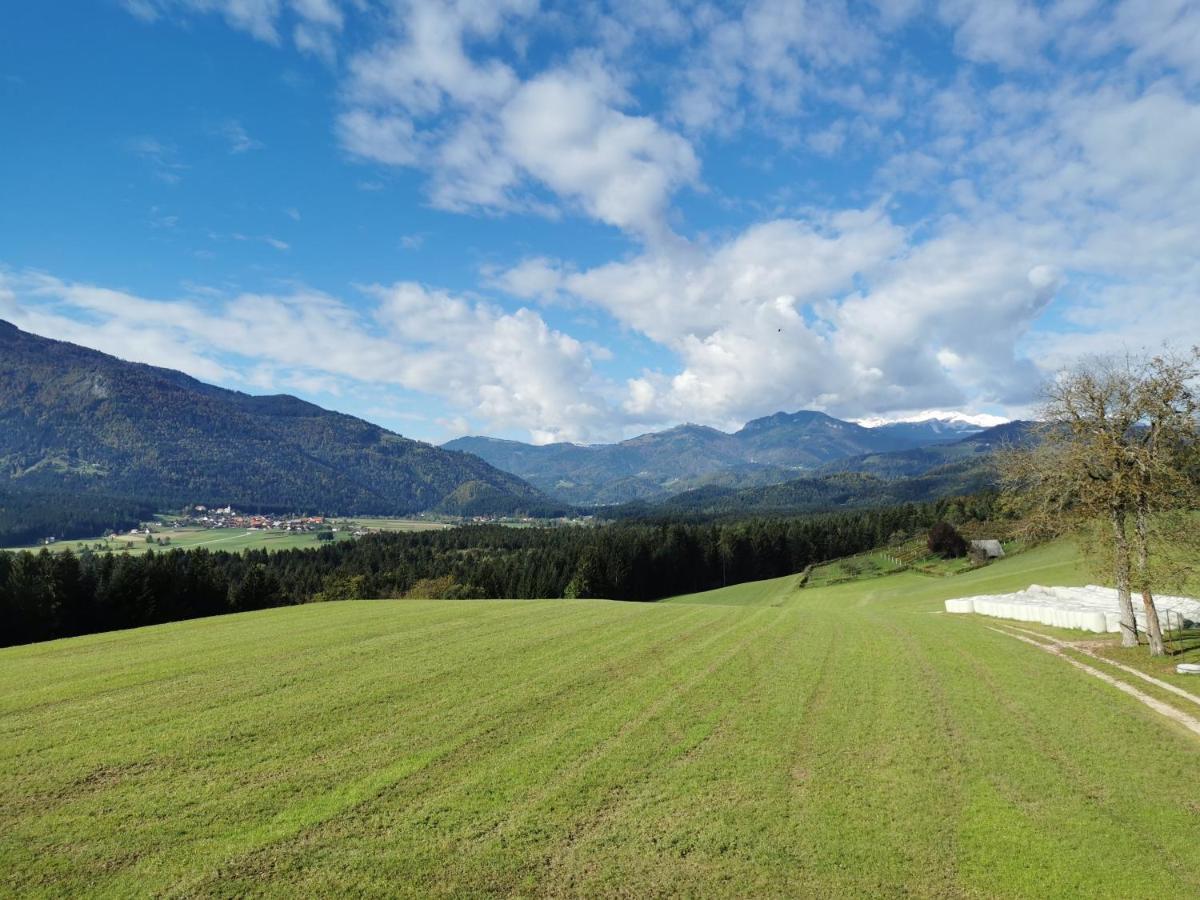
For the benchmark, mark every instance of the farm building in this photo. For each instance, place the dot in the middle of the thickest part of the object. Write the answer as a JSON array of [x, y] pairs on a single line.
[[989, 548]]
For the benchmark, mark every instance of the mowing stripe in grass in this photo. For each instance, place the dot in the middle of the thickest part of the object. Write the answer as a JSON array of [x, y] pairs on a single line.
[[835, 741]]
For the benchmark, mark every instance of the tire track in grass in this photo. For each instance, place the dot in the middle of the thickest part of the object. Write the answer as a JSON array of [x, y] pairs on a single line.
[[803, 764], [675, 696], [720, 811], [200, 715], [1164, 709], [839, 818], [486, 725], [555, 648], [705, 718], [201, 665], [1086, 651], [876, 734], [949, 778], [496, 725], [505, 831]]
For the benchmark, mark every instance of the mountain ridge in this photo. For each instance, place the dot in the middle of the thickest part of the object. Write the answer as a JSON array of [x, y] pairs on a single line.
[[769, 450], [915, 475], [76, 419]]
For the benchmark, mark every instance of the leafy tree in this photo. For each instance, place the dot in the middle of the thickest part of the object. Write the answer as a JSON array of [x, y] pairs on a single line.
[[945, 541], [1116, 443], [1161, 453]]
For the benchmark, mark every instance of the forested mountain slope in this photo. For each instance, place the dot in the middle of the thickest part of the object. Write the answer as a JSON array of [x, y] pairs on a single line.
[[79, 420]]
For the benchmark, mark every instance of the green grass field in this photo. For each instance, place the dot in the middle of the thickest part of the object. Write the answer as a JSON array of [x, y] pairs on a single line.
[[234, 539], [377, 523], [759, 740]]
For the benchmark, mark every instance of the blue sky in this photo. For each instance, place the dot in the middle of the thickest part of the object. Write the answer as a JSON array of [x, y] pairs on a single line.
[[584, 221]]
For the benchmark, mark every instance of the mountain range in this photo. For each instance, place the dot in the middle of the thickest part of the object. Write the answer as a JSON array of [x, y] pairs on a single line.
[[963, 466], [88, 441], [766, 451], [78, 421]]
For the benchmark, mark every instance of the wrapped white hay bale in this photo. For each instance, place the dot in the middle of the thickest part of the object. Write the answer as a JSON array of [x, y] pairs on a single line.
[[1092, 608]]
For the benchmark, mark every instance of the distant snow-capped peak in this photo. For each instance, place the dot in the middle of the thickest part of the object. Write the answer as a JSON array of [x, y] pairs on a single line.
[[978, 420]]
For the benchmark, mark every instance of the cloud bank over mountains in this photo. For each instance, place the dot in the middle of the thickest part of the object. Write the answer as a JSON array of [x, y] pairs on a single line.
[[869, 208]]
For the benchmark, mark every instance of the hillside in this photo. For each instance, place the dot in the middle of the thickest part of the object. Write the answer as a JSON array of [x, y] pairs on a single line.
[[765, 451], [73, 419], [753, 741], [917, 475], [965, 453]]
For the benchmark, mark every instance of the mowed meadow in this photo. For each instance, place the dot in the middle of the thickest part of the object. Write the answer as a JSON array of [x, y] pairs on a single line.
[[847, 740], [231, 539]]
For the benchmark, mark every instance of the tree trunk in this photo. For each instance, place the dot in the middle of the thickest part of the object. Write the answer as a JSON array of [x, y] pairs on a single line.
[[1153, 628], [1129, 635]]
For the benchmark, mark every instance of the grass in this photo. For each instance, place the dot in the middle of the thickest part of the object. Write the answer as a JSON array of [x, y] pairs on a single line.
[[377, 523], [234, 539], [852, 568], [758, 740]]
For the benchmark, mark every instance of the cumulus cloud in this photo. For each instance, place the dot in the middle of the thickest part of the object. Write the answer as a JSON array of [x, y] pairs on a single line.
[[1032, 198], [535, 278], [843, 313], [492, 140], [688, 289], [506, 369], [562, 128]]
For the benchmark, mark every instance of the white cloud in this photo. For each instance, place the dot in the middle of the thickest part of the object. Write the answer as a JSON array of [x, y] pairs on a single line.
[[1162, 34], [239, 141], [1009, 33], [1047, 157], [506, 369], [562, 128], [492, 141], [160, 156], [316, 20], [686, 289], [772, 57], [428, 67], [845, 312], [383, 138], [258, 17], [535, 278]]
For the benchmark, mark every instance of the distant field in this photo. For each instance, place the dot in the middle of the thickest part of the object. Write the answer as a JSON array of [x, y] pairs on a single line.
[[758, 740], [235, 538], [375, 523]]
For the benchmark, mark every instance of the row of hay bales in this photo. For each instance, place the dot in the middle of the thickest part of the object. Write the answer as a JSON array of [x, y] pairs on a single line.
[[1091, 608]]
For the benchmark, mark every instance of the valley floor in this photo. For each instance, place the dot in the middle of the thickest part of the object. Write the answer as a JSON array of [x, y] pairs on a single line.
[[839, 741]]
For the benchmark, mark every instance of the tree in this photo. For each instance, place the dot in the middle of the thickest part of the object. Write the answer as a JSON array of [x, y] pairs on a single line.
[[1114, 443], [945, 541], [1160, 454]]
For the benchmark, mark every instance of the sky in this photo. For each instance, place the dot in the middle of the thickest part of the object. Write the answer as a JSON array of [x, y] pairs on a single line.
[[584, 221]]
